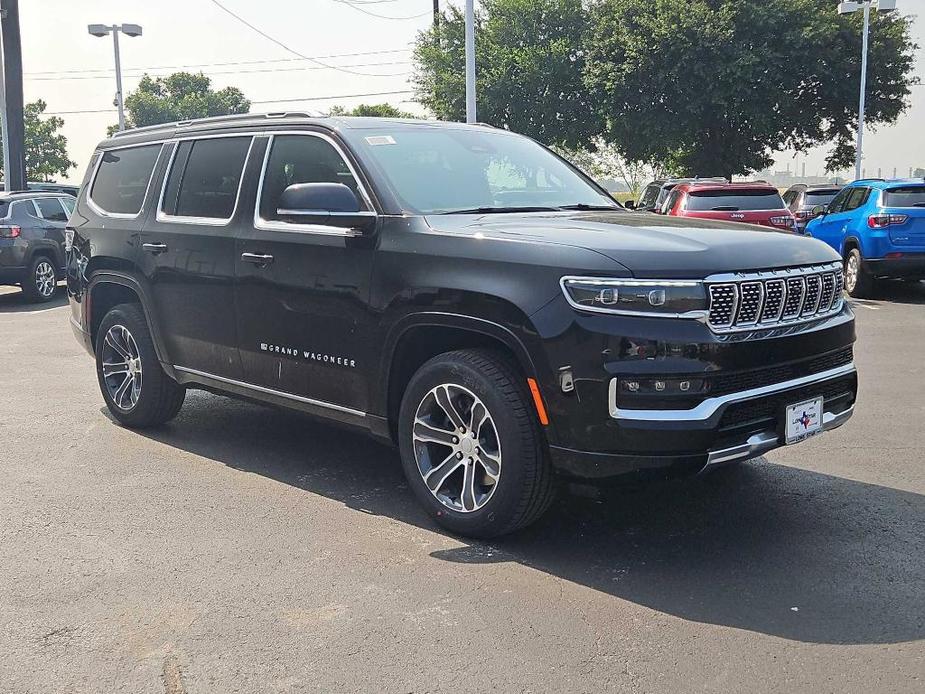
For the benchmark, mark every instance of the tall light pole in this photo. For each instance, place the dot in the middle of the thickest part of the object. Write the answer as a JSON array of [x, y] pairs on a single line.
[[100, 30], [470, 62], [849, 8]]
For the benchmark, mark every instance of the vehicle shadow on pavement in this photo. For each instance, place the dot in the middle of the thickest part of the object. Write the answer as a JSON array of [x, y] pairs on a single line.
[[15, 302], [897, 292], [761, 547]]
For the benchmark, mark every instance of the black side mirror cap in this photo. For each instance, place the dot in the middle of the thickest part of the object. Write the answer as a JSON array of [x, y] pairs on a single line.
[[327, 204]]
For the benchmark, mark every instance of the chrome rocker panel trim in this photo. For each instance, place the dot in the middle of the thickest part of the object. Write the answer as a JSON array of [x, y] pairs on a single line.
[[710, 406], [761, 443]]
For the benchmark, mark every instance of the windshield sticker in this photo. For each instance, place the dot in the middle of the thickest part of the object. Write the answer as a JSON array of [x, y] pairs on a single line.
[[376, 140]]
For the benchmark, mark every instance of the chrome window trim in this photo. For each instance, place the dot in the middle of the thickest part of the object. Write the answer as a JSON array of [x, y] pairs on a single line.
[[271, 391], [700, 315], [710, 406], [322, 229], [144, 201], [162, 216]]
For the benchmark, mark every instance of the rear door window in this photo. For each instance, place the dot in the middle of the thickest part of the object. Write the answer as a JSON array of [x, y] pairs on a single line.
[[907, 196], [732, 201], [205, 177], [122, 179], [51, 209]]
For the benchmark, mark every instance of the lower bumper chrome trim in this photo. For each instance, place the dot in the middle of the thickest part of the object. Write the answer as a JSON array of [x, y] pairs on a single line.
[[710, 406], [761, 443]]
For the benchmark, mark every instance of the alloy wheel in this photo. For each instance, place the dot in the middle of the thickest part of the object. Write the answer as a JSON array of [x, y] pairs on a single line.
[[121, 367], [852, 269], [456, 448], [45, 280]]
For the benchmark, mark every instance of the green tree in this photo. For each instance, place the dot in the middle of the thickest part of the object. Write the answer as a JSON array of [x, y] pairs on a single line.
[[530, 59], [371, 110], [714, 87], [180, 96], [46, 148]]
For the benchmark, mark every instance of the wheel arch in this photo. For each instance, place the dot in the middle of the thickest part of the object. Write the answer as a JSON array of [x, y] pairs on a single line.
[[108, 288], [422, 336]]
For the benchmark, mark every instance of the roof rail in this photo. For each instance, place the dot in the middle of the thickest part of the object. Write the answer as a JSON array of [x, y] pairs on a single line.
[[862, 180], [212, 119]]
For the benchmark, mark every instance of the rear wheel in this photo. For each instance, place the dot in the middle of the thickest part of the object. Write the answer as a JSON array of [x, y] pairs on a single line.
[[471, 446], [858, 282], [40, 281], [137, 391]]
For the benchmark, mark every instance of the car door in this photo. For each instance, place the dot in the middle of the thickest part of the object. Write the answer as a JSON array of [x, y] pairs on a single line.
[[187, 253], [302, 290], [54, 219], [829, 228]]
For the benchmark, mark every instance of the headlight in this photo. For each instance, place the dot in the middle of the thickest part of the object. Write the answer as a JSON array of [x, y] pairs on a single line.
[[660, 298]]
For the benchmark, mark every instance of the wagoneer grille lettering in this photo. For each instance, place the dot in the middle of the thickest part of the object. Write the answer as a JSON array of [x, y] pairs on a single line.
[[773, 298]]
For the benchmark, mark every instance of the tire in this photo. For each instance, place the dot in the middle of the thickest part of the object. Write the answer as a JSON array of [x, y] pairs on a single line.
[[149, 397], [858, 282], [509, 432], [41, 280]]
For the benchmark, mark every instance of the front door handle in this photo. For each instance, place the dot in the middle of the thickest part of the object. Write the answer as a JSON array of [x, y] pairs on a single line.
[[259, 259], [155, 247]]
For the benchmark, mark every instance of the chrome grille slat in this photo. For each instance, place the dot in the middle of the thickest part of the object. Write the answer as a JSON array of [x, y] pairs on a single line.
[[761, 300]]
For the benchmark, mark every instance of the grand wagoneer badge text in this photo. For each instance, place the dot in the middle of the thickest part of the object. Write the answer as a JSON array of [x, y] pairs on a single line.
[[331, 359]]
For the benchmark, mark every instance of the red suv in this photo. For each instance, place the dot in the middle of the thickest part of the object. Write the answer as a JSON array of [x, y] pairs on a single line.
[[753, 203]]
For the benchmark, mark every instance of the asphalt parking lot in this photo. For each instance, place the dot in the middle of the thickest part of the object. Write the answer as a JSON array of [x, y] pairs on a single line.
[[244, 549]]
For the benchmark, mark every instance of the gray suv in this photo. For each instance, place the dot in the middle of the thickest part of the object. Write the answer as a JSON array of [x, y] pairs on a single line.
[[32, 241]]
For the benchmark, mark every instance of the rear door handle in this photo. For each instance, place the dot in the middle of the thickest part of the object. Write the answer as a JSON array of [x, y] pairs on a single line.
[[259, 259], [155, 247]]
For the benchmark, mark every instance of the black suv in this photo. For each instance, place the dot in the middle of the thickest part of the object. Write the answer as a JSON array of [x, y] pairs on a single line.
[[32, 241], [458, 290]]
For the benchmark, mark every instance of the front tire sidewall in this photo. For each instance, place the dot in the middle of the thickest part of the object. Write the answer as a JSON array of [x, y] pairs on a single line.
[[863, 284], [30, 286], [501, 509]]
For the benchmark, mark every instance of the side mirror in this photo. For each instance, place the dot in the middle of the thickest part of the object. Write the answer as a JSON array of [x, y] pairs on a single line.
[[328, 204], [818, 211], [630, 205]]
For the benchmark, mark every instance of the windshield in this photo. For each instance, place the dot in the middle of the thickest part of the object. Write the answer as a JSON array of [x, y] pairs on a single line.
[[907, 196], [733, 200], [444, 170]]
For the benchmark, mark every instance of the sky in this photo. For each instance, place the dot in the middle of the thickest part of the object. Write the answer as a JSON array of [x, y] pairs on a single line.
[[73, 71]]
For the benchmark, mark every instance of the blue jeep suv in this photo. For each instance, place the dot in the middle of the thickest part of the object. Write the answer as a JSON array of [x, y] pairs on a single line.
[[878, 227]]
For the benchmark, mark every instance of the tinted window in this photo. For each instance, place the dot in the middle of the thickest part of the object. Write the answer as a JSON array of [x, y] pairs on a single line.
[[649, 195], [69, 203], [51, 209], [23, 211], [907, 196], [301, 159], [838, 202], [205, 177], [819, 197], [857, 198], [672, 201], [122, 179], [727, 200]]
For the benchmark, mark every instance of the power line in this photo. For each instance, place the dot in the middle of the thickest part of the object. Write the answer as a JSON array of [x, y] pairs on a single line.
[[223, 64], [261, 101], [357, 6], [284, 46], [234, 72]]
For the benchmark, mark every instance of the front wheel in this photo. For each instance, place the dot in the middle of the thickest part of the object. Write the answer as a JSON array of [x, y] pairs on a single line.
[[471, 446], [137, 391], [858, 282]]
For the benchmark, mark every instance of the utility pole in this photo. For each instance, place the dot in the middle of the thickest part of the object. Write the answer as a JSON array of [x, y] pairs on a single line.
[[14, 163], [436, 15], [471, 116]]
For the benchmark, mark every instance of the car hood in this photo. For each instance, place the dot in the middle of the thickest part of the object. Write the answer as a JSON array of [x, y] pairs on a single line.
[[646, 244]]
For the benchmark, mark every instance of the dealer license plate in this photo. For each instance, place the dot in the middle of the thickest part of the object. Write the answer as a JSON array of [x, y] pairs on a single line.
[[804, 419]]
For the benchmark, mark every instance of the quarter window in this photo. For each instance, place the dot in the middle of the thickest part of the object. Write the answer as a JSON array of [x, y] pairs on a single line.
[[122, 179], [51, 209], [205, 177], [302, 159], [68, 203]]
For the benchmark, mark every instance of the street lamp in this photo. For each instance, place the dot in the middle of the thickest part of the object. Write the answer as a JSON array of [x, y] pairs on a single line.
[[100, 30], [849, 8]]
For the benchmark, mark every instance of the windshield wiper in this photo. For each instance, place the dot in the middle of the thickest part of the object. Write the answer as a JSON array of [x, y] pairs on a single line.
[[584, 207], [502, 210]]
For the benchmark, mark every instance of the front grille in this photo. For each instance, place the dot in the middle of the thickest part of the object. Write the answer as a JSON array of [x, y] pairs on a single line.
[[771, 407], [756, 378], [777, 297]]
